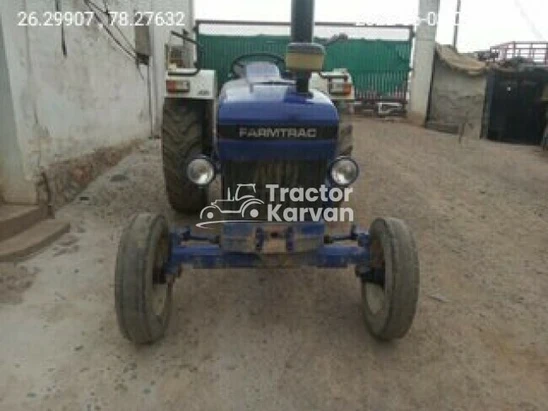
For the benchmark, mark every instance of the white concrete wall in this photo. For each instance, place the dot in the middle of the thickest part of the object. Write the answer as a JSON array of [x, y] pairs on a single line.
[[458, 98], [12, 172], [66, 107]]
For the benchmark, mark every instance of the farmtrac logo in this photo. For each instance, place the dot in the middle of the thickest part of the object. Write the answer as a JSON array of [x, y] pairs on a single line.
[[245, 207], [264, 132]]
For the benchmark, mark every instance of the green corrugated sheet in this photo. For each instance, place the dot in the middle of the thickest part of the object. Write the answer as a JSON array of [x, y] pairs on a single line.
[[378, 67]]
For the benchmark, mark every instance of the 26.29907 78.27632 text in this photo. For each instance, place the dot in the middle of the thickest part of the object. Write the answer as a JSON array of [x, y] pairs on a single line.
[[88, 18]]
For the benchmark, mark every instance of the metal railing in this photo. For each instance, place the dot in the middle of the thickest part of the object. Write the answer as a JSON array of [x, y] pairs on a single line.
[[536, 52]]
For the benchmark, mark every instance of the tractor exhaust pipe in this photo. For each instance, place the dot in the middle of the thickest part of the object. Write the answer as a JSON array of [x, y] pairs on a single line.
[[302, 21], [302, 31]]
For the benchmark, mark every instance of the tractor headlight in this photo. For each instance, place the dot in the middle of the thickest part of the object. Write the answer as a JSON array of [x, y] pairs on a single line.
[[344, 172], [201, 171]]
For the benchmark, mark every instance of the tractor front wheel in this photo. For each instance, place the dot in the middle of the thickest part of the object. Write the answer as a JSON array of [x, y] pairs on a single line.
[[390, 289], [143, 294]]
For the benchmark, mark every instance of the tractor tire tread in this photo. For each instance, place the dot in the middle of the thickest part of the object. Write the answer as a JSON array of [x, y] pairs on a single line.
[[136, 320], [345, 145], [182, 133], [405, 279]]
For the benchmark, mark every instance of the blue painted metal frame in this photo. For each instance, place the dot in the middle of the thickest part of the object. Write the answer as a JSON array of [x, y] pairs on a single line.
[[211, 256]]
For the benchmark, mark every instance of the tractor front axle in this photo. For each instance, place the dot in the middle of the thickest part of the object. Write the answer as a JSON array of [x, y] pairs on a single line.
[[277, 254]]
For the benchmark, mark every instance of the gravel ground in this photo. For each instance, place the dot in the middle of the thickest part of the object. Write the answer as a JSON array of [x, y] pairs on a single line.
[[294, 340]]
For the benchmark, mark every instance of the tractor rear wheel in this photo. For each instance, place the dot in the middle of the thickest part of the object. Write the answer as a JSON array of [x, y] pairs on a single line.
[[182, 139], [391, 290], [143, 294], [346, 130]]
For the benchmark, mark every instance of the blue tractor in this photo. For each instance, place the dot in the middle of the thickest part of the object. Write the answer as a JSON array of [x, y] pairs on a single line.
[[273, 133]]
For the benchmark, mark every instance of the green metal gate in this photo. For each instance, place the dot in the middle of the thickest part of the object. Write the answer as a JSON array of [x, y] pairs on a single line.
[[380, 67]]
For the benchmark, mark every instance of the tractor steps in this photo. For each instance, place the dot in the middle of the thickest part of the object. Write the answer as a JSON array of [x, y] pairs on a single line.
[[25, 230]]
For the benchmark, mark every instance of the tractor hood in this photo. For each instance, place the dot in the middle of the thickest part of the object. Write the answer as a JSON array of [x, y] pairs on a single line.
[[273, 102]]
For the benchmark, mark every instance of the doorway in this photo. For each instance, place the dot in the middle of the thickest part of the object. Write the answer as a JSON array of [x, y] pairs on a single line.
[[516, 108]]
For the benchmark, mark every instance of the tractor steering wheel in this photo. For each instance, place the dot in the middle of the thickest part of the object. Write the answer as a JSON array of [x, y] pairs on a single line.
[[238, 65]]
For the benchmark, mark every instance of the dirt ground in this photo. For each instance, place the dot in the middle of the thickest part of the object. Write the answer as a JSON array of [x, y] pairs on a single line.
[[294, 340]]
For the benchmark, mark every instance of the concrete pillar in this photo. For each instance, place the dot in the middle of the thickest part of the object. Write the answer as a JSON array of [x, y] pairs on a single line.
[[423, 61]]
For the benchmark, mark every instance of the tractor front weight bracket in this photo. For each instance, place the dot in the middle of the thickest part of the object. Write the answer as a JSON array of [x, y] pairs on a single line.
[[206, 252]]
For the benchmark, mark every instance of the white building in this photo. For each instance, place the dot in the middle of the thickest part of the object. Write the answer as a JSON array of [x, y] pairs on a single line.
[[70, 97]]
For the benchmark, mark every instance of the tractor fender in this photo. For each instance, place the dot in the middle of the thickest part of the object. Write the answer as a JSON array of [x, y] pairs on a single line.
[[201, 86]]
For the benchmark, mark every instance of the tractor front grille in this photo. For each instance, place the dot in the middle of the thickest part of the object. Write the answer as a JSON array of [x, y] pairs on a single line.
[[286, 174]]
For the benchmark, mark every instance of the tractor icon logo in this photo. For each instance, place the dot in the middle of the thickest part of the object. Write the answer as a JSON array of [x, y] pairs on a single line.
[[243, 206]]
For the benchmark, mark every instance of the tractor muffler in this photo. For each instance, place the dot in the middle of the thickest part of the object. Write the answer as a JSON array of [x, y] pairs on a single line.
[[302, 51]]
